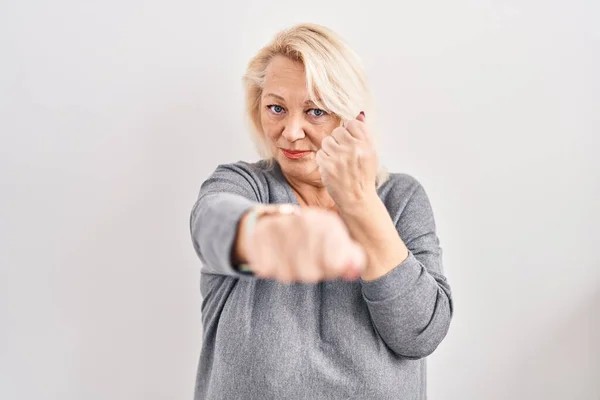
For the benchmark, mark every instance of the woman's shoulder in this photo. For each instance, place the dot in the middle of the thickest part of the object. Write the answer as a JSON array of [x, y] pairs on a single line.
[[254, 173], [249, 179], [400, 189], [399, 184], [242, 168]]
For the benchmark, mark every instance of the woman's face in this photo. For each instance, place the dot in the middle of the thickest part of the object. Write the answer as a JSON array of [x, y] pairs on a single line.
[[292, 124]]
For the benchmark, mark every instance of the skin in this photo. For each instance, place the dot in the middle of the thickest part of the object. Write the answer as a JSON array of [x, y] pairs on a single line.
[[344, 230]]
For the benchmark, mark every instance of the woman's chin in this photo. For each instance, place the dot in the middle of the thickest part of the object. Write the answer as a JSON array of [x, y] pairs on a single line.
[[302, 168]]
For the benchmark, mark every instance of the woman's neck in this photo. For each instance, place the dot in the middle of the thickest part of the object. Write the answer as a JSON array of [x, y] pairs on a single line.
[[311, 194]]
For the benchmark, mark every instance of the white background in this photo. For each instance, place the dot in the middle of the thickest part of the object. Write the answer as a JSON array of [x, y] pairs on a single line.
[[112, 113]]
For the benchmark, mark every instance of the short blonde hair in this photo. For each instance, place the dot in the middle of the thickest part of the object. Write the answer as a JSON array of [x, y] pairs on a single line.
[[335, 77]]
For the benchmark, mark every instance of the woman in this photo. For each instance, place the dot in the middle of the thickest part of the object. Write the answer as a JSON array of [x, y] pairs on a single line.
[[322, 274]]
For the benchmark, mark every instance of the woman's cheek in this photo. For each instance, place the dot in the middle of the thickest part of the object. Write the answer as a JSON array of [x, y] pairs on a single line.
[[272, 136], [269, 129], [322, 133]]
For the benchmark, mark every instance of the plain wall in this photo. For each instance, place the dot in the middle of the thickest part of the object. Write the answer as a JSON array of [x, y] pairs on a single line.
[[112, 113]]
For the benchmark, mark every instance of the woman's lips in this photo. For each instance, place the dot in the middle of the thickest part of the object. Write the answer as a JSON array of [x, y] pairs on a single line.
[[295, 154]]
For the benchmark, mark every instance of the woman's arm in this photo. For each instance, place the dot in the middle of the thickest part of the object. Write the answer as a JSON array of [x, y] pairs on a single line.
[[370, 224], [220, 236], [403, 285], [215, 220]]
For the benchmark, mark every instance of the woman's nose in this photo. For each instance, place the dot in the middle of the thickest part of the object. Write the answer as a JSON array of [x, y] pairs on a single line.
[[292, 130]]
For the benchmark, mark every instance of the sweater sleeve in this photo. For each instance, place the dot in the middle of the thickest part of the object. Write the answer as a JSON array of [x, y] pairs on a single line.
[[224, 197], [411, 306]]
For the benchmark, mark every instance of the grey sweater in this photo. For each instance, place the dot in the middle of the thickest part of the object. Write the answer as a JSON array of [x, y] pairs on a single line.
[[332, 340]]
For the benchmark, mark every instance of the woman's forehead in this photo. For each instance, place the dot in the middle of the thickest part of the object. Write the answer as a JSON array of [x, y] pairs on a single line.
[[284, 76], [285, 80]]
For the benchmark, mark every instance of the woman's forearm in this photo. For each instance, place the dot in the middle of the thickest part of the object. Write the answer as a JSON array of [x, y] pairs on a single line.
[[370, 224]]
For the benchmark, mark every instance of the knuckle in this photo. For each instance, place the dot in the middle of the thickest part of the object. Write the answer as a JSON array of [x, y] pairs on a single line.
[[352, 124], [311, 275], [284, 275], [319, 155], [358, 152]]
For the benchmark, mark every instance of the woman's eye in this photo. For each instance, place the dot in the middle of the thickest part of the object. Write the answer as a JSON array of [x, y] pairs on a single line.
[[275, 108], [317, 112]]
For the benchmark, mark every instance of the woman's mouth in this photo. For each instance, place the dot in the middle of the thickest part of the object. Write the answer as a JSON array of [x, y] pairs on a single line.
[[295, 154]]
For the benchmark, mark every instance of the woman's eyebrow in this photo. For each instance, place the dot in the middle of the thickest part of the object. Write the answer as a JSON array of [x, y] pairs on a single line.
[[275, 95], [278, 97]]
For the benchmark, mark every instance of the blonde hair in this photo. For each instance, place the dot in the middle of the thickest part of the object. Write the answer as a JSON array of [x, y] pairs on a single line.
[[335, 78]]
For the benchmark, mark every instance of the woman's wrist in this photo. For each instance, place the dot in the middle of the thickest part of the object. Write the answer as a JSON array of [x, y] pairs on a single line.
[[360, 207], [370, 224]]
